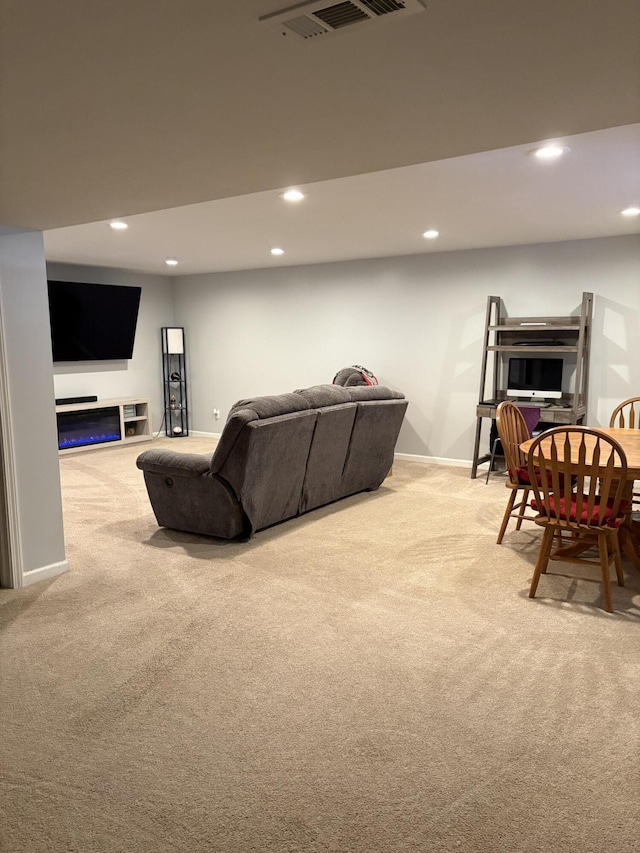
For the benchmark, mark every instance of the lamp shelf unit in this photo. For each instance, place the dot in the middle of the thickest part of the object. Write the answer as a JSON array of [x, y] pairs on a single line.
[[174, 379], [548, 335]]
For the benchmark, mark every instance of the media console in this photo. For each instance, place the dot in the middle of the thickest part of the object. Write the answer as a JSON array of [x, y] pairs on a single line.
[[87, 425]]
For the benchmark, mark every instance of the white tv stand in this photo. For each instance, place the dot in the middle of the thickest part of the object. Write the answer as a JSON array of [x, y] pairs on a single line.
[[104, 424]]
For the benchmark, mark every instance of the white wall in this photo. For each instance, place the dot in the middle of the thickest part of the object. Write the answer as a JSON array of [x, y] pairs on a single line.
[[417, 322], [29, 436], [140, 376]]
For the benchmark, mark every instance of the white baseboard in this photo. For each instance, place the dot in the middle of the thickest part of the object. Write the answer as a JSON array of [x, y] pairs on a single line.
[[45, 572], [408, 457], [433, 460]]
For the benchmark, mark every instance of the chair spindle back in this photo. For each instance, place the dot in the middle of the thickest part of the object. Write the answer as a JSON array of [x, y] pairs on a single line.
[[512, 431], [627, 414], [589, 460]]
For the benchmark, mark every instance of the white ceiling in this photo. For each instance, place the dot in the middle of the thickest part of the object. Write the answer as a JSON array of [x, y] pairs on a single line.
[[129, 107], [496, 198]]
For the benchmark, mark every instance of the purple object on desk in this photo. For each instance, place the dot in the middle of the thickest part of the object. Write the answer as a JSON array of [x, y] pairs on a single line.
[[531, 415]]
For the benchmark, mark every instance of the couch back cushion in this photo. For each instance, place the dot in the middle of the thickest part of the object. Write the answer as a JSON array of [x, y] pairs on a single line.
[[245, 411], [362, 393], [267, 465], [353, 442], [324, 395], [272, 406], [236, 422], [327, 456], [373, 440]]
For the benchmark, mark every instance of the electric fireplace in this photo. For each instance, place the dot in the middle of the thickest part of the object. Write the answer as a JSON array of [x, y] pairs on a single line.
[[90, 426]]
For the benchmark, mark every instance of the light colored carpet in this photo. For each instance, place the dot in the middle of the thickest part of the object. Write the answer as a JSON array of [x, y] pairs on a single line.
[[369, 678]]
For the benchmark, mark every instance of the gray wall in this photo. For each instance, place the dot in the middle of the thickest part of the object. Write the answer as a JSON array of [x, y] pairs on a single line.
[[140, 376], [417, 322]]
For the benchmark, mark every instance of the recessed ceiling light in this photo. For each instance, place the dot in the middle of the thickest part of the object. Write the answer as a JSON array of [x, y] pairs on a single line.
[[431, 234], [631, 211], [550, 152], [171, 262], [292, 195], [118, 226], [277, 251]]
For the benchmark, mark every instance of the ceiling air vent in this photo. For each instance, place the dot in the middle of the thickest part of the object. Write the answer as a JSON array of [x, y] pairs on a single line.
[[307, 21]]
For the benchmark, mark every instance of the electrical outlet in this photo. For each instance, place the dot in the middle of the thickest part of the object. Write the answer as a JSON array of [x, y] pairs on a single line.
[[216, 414]]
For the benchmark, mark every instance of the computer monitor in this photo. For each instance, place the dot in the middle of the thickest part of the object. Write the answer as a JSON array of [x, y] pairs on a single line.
[[535, 378]]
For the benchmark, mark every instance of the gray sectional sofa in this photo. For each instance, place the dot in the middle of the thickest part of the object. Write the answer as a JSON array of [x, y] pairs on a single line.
[[278, 457]]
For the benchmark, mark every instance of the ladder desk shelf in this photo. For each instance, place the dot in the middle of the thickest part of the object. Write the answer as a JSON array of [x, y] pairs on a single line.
[[506, 337]]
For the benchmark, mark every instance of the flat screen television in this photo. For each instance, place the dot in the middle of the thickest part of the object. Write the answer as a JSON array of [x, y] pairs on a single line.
[[91, 322], [537, 378]]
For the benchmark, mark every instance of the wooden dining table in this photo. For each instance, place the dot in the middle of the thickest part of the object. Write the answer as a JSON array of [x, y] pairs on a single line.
[[629, 441]]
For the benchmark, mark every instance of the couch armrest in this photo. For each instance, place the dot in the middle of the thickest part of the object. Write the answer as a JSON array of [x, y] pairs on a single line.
[[170, 463]]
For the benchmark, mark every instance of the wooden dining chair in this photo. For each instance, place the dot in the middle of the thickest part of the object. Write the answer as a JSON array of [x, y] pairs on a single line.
[[626, 415], [579, 498], [512, 431]]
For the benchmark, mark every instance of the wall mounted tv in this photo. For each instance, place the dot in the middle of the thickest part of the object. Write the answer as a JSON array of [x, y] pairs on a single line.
[[91, 322], [537, 378]]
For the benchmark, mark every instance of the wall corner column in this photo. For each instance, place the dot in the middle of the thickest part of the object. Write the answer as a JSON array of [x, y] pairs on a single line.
[[31, 523]]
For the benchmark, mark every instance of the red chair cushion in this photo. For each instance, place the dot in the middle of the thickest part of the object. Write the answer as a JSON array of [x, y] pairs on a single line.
[[522, 476], [607, 518]]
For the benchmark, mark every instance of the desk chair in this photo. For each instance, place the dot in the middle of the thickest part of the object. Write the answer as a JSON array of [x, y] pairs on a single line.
[[512, 431], [574, 521]]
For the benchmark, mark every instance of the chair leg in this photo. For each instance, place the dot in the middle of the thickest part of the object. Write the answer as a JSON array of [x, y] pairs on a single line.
[[615, 546], [507, 514], [492, 458], [543, 559], [604, 564], [523, 508]]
